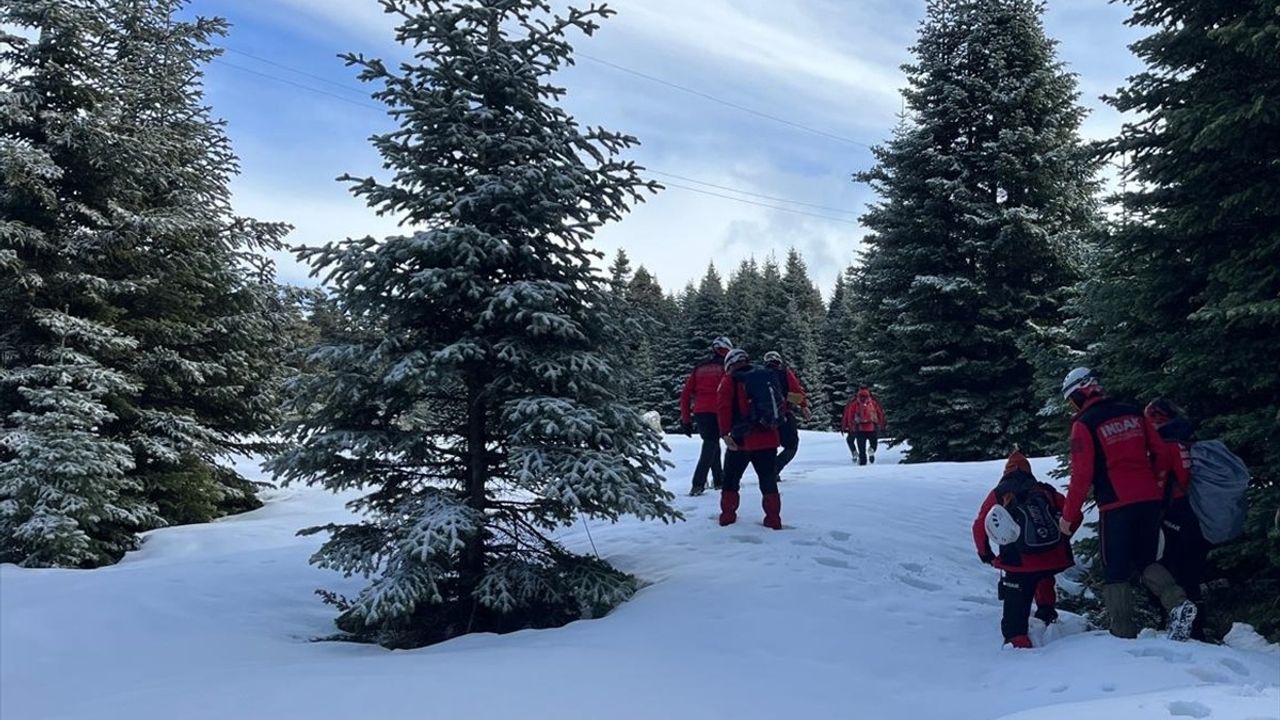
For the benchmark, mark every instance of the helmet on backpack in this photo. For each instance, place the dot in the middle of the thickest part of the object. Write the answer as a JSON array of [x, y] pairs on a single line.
[[1078, 379], [773, 358], [736, 356], [1001, 527], [721, 345]]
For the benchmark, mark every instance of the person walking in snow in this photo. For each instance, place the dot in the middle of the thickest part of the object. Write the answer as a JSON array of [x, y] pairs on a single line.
[[796, 400], [750, 408], [1117, 454], [863, 421], [698, 409], [1185, 547], [1021, 515]]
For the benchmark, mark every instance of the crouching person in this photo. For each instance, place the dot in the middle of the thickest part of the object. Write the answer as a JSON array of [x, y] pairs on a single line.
[[749, 413], [1021, 516]]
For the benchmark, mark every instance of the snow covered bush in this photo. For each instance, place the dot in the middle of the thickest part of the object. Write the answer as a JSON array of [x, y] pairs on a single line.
[[476, 400]]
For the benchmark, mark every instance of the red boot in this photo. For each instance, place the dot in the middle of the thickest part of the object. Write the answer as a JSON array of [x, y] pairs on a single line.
[[1022, 642], [728, 507], [772, 505]]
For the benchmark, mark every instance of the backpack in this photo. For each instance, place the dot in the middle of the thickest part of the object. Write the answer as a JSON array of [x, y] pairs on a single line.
[[1219, 480], [764, 397], [1033, 510], [862, 413]]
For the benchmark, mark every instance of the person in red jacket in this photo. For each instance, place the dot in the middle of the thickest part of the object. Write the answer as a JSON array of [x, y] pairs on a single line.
[[1025, 576], [863, 420], [1117, 454], [797, 399], [698, 403], [1185, 547], [746, 443]]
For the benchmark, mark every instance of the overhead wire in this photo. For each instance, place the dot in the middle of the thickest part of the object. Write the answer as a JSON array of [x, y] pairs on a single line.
[[666, 183]]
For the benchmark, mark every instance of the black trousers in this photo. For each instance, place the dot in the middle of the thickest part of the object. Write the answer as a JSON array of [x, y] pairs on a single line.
[[1129, 537], [709, 458], [764, 462], [1016, 592], [789, 431], [857, 442], [1185, 548]]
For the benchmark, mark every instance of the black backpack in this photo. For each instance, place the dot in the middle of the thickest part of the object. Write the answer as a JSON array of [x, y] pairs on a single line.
[[1033, 509], [764, 398]]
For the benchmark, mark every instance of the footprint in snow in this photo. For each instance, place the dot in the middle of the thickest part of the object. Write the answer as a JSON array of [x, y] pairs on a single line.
[[1235, 666], [1189, 708], [916, 582], [1108, 687], [980, 600], [912, 567], [1173, 656], [749, 539], [840, 535], [1059, 689], [1209, 675], [832, 562]]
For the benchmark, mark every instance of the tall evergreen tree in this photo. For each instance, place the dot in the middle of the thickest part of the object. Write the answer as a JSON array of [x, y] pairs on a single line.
[[983, 188], [743, 307], [705, 315], [1187, 299], [799, 342], [655, 387], [485, 414], [835, 351]]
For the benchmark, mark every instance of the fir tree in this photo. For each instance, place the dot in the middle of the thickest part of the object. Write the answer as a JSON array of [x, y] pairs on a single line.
[[1187, 299], [706, 316], [655, 389], [835, 351], [485, 412], [799, 341], [743, 307], [65, 495], [983, 188]]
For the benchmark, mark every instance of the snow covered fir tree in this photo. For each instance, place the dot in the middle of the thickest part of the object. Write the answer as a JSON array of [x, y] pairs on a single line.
[[139, 313], [985, 192], [484, 411]]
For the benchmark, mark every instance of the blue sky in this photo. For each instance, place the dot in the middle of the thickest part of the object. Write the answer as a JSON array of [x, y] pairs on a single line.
[[832, 65]]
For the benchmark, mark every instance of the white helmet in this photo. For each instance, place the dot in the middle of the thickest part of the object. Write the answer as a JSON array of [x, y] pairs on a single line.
[[722, 343], [1081, 377], [735, 356], [1001, 526], [773, 357]]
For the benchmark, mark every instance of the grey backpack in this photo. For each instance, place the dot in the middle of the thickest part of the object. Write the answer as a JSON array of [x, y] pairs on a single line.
[[1218, 483]]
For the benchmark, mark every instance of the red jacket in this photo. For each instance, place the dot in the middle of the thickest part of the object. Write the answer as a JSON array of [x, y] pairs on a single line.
[[699, 394], [733, 405], [1115, 452], [1053, 560], [1177, 458], [862, 414]]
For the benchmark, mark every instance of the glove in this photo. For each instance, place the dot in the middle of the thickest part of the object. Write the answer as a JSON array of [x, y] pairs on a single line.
[[729, 443], [687, 429], [986, 558]]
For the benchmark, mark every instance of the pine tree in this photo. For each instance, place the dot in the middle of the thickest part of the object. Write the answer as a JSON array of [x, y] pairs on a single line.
[[65, 495], [799, 341], [656, 311], [206, 312], [835, 350], [706, 316], [1187, 299], [743, 308], [485, 413], [983, 188]]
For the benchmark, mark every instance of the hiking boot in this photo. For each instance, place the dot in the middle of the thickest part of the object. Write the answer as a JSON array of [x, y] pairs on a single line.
[[1118, 599], [728, 507], [872, 457], [1181, 620], [1046, 615], [696, 491], [1019, 642], [772, 504]]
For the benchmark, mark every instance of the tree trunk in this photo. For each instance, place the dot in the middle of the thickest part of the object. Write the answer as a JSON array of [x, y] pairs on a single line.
[[477, 474]]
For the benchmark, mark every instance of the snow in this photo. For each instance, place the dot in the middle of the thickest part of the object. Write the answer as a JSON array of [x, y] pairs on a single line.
[[870, 603]]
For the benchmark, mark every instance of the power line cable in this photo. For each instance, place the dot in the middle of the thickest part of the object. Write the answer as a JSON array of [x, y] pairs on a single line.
[[793, 211], [304, 73], [721, 101], [774, 198], [760, 204], [299, 85]]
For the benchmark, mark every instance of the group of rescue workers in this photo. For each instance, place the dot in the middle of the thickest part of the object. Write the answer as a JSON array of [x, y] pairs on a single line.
[[753, 411], [1135, 464]]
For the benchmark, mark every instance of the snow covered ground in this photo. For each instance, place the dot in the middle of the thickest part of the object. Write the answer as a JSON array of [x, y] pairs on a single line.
[[869, 604]]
